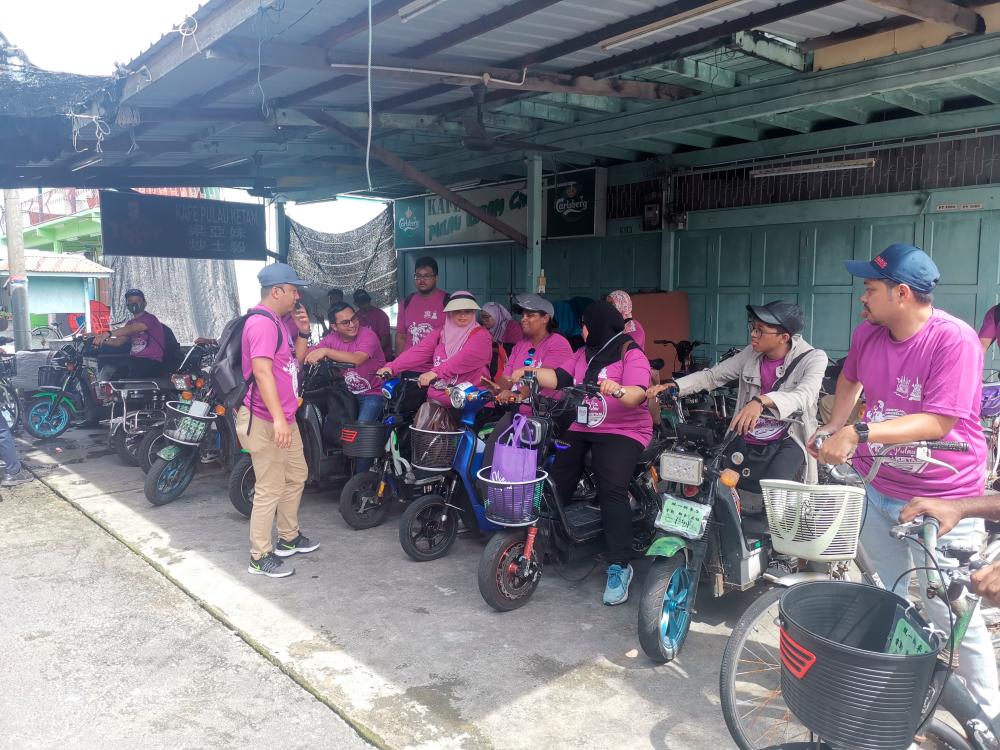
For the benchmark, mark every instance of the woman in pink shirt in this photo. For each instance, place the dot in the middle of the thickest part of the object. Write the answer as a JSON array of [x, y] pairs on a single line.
[[623, 304], [457, 353], [502, 327], [619, 427]]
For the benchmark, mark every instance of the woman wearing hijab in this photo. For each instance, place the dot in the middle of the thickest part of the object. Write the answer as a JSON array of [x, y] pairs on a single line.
[[617, 430], [502, 327], [623, 304], [458, 352]]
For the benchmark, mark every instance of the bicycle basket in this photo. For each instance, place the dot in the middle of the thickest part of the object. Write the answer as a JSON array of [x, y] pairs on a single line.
[[363, 439], [50, 376], [819, 522], [856, 662], [183, 427], [433, 451], [511, 503]]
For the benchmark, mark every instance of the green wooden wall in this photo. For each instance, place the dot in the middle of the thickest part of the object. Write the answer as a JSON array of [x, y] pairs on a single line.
[[728, 259]]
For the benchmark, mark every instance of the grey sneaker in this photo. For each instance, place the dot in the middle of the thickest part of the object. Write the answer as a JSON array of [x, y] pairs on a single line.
[[12, 480], [270, 566], [299, 544]]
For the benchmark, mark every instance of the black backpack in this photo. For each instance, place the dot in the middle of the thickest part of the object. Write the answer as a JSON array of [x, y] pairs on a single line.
[[226, 372], [171, 349]]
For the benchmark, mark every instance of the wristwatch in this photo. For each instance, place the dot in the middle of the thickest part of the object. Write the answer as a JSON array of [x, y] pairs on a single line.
[[619, 393], [304, 335], [862, 429], [757, 399]]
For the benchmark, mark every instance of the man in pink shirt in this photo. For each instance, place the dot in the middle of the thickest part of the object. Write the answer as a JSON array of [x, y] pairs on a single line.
[[921, 371], [423, 311], [145, 335], [373, 318], [274, 343]]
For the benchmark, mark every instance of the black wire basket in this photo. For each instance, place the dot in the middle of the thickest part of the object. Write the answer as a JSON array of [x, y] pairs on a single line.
[[50, 376], [433, 451], [8, 367]]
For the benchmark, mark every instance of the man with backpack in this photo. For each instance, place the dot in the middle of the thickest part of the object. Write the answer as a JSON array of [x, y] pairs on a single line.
[[149, 339], [423, 310], [274, 337]]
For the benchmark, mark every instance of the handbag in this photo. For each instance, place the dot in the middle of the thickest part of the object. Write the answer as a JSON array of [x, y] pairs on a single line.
[[512, 460]]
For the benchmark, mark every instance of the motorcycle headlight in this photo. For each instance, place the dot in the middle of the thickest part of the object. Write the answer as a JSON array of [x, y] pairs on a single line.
[[457, 397], [683, 468]]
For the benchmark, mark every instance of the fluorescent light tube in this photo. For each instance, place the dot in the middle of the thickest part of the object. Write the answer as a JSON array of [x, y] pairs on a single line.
[[667, 23], [411, 10], [89, 163], [824, 166]]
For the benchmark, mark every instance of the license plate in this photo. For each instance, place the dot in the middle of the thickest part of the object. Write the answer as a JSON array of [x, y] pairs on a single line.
[[169, 452], [683, 517]]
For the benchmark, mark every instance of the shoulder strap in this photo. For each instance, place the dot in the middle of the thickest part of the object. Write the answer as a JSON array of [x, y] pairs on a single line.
[[788, 370], [276, 325], [996, 316]]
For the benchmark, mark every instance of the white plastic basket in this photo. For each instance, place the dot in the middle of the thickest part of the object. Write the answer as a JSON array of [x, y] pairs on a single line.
[[818, 522]]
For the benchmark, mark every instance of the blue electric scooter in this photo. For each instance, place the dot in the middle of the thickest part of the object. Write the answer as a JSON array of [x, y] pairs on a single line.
[[429, 525]]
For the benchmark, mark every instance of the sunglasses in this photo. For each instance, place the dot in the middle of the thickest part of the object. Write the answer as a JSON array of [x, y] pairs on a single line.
[[530, 359]]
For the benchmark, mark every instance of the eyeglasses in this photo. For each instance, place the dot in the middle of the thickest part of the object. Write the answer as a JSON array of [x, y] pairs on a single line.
[[349, 322], [757, 332], [530, 359], [424, 276]]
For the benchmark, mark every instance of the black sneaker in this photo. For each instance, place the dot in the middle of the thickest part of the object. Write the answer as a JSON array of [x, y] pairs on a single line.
[[12, 480], [298, 544], [269, 566]]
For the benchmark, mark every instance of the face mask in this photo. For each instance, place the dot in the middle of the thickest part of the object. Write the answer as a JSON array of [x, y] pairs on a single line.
[[133, 307]]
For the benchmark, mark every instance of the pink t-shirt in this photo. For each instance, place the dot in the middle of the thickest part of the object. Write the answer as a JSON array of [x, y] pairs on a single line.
[[767, 430], [148, 344], [988, 330], [552, 352], [375, 319], [420, 316], [260, 339], [633, 370], [360, 380], [468, 365], [938, 370]]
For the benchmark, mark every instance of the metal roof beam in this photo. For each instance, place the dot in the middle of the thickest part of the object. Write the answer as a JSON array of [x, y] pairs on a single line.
[[735, 130], [759, 45], [539, 109], [787, 121], [936, 11], [700, 75], [906, 100], [685, 139], [843, 111], [907, 127], [977, 88], [406, 121], [280, 55]]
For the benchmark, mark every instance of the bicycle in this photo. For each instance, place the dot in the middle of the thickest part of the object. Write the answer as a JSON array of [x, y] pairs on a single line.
[[750, 687], [10, 401]]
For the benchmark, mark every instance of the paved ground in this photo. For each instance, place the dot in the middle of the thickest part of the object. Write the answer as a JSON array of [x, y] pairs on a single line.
[[100, 650], [407, 651]]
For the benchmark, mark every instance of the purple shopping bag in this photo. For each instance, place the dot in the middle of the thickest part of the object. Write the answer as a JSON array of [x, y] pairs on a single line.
[[511, 461]]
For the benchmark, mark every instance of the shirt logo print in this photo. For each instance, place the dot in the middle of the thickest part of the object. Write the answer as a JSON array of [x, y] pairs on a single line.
[[903, 386]]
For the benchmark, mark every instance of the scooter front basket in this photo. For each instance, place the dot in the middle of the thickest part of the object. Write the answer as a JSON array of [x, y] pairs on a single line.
[[181, 426], [433, 451], [818, 522], [511, 503]]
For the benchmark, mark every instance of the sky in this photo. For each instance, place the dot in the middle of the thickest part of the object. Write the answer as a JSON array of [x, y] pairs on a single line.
[[90, 37]]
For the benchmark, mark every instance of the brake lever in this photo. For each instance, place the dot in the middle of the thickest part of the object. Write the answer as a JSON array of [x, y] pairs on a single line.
[[924, 454]]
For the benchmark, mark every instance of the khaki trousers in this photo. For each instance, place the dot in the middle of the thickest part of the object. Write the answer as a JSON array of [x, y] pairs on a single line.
[[280, 473]]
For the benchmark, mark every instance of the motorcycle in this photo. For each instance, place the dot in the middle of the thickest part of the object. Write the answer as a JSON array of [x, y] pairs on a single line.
[[10, 401], [707, 530], [556, 529], [367, 497], [326, 403], [429, 525], [142, 403], [66, 389]]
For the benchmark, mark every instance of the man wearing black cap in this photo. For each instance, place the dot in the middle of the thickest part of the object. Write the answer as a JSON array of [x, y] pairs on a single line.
[[145, 334], [374, 318], [921, 371], [779, 375]]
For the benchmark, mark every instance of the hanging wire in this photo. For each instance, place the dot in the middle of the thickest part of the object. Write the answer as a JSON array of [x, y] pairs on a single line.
[[371, 113]]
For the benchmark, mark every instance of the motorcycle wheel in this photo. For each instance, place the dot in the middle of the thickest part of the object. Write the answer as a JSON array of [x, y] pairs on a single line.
[[664, 609], [44, 426], [242, 481], [500, 587], [360, 504], [167, 480], [127, 446], [428, 528], [10, 407], [152, 442]]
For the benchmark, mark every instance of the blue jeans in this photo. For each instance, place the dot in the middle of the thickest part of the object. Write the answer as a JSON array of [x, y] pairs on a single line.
[[8, 451], [892, 558], [369, 410]]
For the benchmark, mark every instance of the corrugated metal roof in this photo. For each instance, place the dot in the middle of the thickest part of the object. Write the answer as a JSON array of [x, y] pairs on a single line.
[[41, 261]]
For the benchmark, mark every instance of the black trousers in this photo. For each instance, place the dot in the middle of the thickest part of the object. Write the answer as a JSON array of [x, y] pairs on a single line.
[[613, 459]]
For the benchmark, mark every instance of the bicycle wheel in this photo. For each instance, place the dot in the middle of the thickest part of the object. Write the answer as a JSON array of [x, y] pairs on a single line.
[[10, 406], [750, 680]]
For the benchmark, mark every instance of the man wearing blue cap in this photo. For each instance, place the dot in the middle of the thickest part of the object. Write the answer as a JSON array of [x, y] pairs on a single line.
[[274, 344], [921, 371]]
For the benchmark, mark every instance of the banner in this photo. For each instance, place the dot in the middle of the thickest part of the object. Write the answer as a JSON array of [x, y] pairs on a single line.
[[168, 227]]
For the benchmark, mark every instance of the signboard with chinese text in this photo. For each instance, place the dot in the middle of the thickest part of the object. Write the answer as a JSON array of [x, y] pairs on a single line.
[[168, 227]]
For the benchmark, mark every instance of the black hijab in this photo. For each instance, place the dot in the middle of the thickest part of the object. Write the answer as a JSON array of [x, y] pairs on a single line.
[[605, 337]]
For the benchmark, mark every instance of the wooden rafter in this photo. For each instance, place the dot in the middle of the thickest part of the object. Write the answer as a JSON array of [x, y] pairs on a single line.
[[937, 11]]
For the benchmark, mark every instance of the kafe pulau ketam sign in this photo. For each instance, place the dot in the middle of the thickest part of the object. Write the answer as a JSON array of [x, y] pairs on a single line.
[[575, 205]]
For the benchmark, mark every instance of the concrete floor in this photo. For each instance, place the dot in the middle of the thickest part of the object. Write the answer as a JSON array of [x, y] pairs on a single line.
[[408, 652]]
